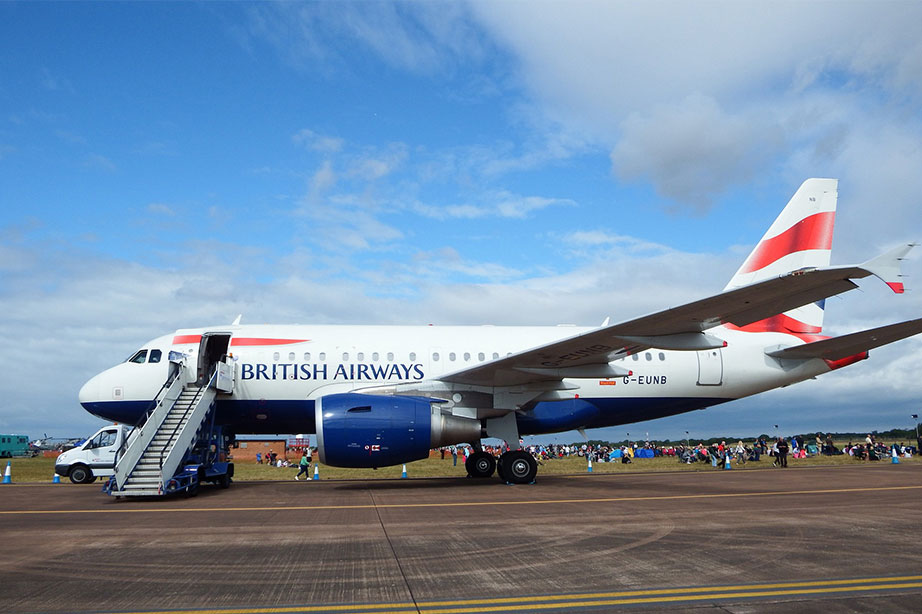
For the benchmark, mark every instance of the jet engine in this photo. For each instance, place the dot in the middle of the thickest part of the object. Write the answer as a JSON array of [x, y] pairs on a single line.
[[364, 430]]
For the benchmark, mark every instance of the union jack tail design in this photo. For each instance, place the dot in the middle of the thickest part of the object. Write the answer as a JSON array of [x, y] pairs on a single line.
[[800, 237]]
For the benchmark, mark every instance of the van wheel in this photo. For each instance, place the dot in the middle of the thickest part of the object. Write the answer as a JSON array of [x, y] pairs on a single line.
[[81, 474]]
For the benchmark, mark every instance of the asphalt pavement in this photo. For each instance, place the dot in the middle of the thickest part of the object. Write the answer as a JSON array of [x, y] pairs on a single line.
[[795, 540]]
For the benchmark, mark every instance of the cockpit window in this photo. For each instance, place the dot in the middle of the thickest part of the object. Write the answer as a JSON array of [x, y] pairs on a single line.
[[154, 356], [140, 357]]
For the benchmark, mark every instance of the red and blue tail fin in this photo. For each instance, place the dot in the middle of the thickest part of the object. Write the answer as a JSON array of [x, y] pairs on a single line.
[[801, 237]]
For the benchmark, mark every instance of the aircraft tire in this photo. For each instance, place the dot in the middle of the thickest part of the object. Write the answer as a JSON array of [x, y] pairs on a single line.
[[518, 467], [480, 465], [80, 474]]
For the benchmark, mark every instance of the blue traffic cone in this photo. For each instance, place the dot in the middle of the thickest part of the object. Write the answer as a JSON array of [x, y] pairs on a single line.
[[56, 479], [589, 466], [8, 475], [727, 462], [895, 459], [403, 473], [316, 472]]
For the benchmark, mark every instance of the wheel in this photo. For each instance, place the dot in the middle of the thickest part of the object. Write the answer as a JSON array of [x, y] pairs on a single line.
[[518, 467], [224, 481], [80, 474], [480, 465], [192, 490]]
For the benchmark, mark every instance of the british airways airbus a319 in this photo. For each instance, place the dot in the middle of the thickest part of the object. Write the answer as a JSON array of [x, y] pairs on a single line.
[[385, 395]]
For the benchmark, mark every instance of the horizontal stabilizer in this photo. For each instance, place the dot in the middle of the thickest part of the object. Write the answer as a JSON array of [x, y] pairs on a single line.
[[855, 343], [887, 266]]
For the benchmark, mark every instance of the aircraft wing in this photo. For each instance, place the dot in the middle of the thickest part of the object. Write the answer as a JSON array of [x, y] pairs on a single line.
[[677, 328], [855, 343]]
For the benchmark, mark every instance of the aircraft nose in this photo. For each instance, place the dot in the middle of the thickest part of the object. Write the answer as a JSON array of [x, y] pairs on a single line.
[[89, 393]]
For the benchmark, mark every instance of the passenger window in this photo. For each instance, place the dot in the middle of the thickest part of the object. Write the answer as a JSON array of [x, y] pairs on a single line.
[[412, 356], [467, 356], [275, 355], [307, 356], [480, 356], [323, 356], [435, 356], [291, 356], [648, 356], [495, 355], [451, 356], [345, 356], [155, 356], [390, 357], [374, 356], [635, 357], [360, 356], [139, 358], [662, 356]]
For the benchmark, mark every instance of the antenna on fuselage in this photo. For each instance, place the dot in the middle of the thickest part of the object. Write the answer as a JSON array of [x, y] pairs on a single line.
[[236, 321]]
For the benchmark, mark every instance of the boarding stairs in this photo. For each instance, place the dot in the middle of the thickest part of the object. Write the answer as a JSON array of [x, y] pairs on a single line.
[[157, 448]]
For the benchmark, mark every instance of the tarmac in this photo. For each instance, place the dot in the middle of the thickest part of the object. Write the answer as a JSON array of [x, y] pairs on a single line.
[[794, 540]]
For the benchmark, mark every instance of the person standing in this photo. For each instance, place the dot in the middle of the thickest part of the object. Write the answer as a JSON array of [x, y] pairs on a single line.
[[304, 466], [782, 452], [454, 456]]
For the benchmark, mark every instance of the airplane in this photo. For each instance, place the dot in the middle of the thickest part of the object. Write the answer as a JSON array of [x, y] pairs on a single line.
[[377, 396]]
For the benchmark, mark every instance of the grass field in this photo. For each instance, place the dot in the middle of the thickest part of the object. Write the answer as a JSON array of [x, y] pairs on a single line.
[[42, 469]]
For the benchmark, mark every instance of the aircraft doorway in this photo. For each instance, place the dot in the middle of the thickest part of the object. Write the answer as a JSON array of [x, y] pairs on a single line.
[[710, 367], [211, 351]]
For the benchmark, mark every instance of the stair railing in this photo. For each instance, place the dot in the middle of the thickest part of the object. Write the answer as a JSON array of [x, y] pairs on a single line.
[[141, 437]]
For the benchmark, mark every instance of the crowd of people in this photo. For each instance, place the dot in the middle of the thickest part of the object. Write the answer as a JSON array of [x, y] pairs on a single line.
[[777, 449], [716, 453]]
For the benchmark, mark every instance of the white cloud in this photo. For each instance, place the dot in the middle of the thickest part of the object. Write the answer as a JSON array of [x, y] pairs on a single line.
[[692, 150], [420, 38], [99, 162], [698, 97], [161, 209], [499, 203], [311, 140]]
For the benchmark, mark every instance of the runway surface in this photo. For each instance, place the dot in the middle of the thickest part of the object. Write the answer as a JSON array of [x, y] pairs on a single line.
[[797, 540]]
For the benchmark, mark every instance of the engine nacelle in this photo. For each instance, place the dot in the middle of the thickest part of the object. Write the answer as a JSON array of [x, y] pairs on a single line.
[[364, 430]]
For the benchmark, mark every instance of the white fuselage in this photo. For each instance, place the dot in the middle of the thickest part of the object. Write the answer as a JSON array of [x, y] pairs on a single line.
[[281, 370]]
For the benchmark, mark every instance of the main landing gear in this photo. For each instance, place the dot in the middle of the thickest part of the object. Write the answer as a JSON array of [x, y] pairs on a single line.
[[514, 467]]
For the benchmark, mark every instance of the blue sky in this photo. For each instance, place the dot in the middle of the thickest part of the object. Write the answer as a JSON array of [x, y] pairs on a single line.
[[165, 165]]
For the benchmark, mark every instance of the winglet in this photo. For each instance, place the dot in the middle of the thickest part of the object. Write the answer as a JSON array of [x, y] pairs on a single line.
[[887, 266]]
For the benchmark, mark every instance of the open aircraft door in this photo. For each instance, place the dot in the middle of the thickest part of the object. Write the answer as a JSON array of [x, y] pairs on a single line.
[[710, 367]]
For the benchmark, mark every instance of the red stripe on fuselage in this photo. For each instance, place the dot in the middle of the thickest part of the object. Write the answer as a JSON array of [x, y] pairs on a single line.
[[814, 232], [184, 339], [181, 339], [261, 341]]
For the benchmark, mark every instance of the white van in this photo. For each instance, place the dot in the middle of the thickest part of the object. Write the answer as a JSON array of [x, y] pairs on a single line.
[[95, 457]]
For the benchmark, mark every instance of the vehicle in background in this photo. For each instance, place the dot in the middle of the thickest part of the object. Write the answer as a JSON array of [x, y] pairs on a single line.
[[56, 444], [14, 445], [95, 457]]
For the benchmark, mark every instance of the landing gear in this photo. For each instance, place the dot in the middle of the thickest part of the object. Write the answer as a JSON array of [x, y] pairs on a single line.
[[480, 464], [518, 467]]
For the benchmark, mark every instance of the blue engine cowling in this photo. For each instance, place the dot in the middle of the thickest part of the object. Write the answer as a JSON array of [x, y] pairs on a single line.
[[365, 430]]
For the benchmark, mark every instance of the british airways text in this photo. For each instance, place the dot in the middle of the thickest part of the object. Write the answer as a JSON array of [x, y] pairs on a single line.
[[349, 371]]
